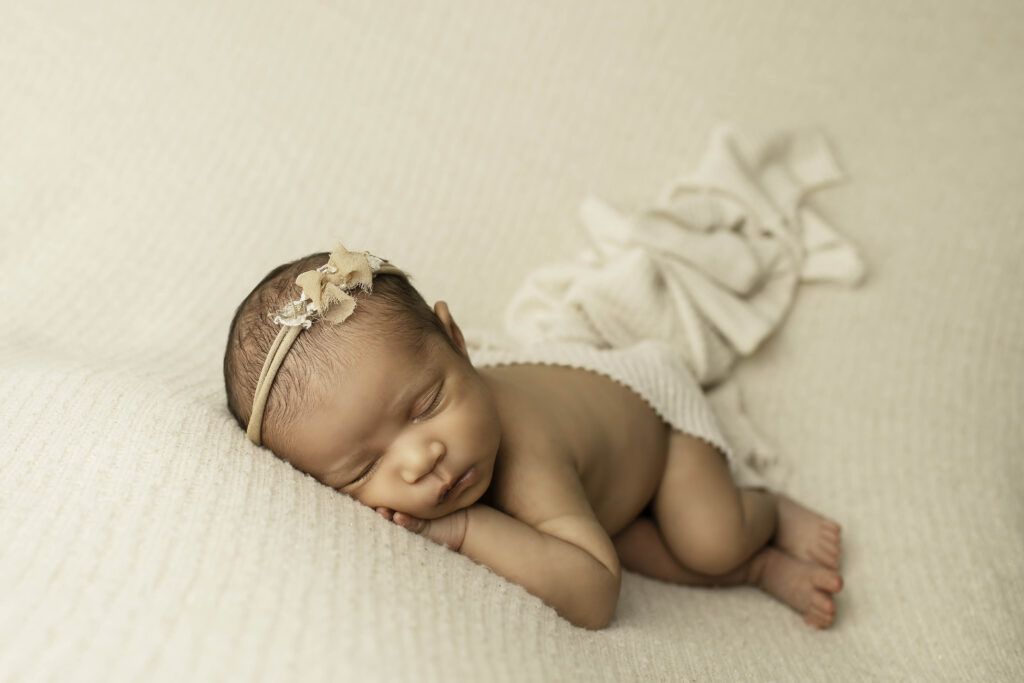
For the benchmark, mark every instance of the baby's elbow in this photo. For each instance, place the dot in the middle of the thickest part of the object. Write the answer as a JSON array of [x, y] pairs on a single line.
[[599, 621], [599, 605], [598, 617]]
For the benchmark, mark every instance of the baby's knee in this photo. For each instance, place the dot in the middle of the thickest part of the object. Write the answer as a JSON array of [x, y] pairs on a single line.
[[716, 552]]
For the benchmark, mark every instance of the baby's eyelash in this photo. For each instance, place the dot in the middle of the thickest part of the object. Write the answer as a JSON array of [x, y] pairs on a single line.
[[433, 404], [367, 472]]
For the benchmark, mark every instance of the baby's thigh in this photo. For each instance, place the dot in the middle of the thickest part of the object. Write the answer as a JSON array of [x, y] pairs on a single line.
[[692, 461], [697, 492]]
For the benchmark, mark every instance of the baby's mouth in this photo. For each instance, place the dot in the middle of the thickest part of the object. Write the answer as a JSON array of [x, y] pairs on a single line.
[[458, 486]]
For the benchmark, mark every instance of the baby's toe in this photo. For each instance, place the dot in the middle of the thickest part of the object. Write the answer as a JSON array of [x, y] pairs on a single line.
[[827, 549], [827, 581], [826, 556], [822, 611]]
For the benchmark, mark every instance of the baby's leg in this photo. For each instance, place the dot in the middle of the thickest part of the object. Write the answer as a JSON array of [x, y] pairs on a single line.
[[804, 586], [642, 549], [709, 525]]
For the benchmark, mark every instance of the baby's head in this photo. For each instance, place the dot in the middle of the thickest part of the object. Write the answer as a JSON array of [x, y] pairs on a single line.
[[384, 406]]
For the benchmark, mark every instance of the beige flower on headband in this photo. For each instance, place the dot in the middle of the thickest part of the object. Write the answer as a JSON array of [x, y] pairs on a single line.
[[325, 291]]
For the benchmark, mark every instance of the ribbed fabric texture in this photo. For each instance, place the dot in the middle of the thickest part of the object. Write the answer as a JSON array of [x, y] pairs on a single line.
[[158, 158]]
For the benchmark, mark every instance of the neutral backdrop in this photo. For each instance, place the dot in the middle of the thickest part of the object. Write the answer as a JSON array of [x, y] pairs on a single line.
[[158, 158]]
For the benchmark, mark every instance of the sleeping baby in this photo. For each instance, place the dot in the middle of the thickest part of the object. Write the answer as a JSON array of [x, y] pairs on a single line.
[[554, 476]]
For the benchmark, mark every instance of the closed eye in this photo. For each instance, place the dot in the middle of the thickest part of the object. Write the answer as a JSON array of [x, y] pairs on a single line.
[[433, 405], [365, 474]]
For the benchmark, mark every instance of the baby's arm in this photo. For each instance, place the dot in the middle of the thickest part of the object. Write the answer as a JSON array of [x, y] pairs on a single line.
[[567, 561], [563, 557]]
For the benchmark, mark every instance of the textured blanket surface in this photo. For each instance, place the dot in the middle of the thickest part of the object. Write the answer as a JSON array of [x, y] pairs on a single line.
[[158, 158]]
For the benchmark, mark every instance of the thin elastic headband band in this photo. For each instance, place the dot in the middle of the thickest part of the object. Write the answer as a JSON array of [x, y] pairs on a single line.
[[325, 296]]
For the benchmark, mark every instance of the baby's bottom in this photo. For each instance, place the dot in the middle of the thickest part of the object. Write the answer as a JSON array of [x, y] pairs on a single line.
[[707, 532]]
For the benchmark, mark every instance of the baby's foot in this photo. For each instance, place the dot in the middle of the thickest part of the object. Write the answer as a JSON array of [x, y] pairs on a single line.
[[806, 535], [804, 586]]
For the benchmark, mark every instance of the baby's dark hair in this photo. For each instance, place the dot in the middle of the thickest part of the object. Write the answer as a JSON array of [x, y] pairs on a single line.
[[394, 308]]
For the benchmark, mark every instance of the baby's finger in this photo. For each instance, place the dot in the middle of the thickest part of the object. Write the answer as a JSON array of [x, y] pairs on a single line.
[[386, 513], [409, 522]]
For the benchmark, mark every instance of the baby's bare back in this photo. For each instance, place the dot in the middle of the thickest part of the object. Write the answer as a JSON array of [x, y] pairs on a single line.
[[555, 419]]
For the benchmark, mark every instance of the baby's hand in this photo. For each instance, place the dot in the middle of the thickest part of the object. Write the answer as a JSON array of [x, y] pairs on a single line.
[[449, 530]]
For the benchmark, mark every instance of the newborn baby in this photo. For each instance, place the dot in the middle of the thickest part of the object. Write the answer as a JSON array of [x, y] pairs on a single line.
[[553, 477]]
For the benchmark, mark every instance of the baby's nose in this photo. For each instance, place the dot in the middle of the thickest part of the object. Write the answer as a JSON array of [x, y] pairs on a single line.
[[420, 460]]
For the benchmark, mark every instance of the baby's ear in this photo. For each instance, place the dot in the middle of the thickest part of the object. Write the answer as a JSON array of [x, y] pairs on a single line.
[[451, 327]]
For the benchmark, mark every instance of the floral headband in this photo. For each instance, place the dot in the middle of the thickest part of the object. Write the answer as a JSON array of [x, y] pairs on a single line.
[[325, 296]]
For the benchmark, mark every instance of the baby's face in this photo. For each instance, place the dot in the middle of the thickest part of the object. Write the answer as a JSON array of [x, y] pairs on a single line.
[[414, 431]]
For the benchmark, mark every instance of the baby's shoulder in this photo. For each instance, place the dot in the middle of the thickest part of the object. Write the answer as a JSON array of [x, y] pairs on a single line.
[[563, 430], [535, 464], [570, 434], [535, 484]]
